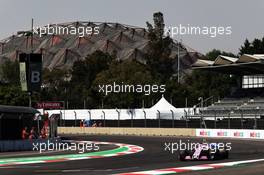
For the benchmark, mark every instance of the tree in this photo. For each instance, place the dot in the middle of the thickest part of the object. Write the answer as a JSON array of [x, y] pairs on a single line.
[[158, 54], [10, 72], [213, 54], [255, 47], [12, 95], [124, 73], [258, 46], [54, 84], [85, 71], [83, 74], [247, 48]]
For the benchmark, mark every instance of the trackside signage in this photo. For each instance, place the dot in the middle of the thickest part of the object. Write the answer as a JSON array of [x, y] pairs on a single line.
[[30, 66], [49, 105], [231, 133]]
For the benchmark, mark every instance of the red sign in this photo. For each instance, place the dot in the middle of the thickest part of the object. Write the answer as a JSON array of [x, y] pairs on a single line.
[[50, 105], [238, 134], [254, 134]]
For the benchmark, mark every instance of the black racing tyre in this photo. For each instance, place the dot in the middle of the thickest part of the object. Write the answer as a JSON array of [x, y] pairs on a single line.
[[182, 155], [211, 155], [226, 155]]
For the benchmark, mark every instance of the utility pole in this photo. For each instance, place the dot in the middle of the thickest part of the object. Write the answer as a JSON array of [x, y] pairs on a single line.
[[202, 122], [32, 30], [84, 104], [30, 99], [178, 53], [31, 45]]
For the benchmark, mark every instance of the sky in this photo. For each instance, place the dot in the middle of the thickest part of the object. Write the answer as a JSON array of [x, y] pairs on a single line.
[[244, 17]]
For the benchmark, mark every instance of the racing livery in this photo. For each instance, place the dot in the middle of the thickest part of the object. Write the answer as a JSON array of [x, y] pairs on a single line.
[[203, 151]]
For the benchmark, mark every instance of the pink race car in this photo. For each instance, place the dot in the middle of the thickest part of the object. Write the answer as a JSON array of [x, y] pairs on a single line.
[[204, 152]]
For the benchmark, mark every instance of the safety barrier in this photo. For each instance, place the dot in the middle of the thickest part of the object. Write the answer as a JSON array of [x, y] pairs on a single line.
[[231, 133], [22, 145], [225, 133], [128, 131]]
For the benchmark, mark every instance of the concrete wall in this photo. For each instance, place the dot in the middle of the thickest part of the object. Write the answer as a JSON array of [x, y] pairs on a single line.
[[128, 131], [15, 145]]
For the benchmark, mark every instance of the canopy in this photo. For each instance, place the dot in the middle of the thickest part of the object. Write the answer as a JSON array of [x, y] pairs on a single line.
[[163, 105], [17, 109], [244, 65]]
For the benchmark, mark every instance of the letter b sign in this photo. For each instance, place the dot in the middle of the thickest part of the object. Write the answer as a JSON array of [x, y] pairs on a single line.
[[35, 77], [35, 68]]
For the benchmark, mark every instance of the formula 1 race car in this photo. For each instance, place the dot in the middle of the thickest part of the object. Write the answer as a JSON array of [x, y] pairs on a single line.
[[204, 152]]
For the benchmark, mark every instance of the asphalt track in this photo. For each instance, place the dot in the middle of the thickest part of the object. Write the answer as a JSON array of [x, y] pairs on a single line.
[[153, 157]]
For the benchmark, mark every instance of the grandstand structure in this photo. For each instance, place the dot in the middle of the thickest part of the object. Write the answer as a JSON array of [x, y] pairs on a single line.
[[246, 104], [62, 50]]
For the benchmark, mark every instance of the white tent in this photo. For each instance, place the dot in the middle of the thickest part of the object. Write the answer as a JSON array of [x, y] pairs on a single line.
[[167, 110], [163, 105]]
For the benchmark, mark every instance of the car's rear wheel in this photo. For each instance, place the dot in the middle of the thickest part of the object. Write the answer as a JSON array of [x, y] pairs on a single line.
[[182, 155], [210, 155], [226, 154]]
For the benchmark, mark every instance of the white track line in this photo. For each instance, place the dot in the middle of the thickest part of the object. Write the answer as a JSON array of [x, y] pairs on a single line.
[[191, 168]]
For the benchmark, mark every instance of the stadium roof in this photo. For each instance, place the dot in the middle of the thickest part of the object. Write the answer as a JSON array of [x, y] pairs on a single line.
[[244, 65], [61, 51]]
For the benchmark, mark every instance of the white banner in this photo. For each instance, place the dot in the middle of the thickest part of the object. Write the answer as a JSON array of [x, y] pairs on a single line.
[[231, 133]]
